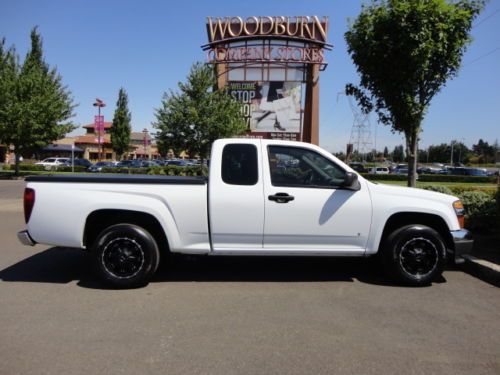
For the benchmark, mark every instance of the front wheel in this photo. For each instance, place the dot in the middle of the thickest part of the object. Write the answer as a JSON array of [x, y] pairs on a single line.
[[414, 254], [126, 256]]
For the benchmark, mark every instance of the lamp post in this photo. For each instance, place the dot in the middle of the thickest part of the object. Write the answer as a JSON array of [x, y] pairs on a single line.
[[451, 160], [145, 131], [462, 140], [99, 123]]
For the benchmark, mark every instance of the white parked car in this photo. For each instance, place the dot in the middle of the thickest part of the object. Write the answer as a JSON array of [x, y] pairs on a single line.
[[253, 204], [379, 170], [50, 163]]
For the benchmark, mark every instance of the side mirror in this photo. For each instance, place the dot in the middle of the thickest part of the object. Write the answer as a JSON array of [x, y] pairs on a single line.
[[351, 181]]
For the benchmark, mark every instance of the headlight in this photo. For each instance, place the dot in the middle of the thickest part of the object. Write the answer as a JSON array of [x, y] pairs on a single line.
[[460, 212]]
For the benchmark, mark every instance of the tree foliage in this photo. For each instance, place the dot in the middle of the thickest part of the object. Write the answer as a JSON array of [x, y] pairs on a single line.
[[120, 131], [34, 103], [484, 152], [398, 154], [404, 52], [197, 115]]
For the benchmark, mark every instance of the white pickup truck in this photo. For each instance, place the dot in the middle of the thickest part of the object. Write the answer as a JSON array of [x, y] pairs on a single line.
[[262, 197]]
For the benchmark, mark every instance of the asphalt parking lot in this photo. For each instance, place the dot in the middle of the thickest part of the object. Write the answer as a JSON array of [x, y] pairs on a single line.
[[235, 316]]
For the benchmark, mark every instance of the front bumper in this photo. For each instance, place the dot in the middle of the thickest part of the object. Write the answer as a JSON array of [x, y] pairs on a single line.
[[25, 238], [463, 244]]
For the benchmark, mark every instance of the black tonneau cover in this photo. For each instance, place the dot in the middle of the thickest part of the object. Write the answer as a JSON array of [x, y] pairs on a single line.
[[120, 179]]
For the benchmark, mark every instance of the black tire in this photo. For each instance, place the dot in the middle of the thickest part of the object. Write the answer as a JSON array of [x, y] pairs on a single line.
[[414, 255], [126, 256]]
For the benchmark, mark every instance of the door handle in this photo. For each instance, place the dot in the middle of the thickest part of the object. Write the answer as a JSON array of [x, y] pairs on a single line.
[[281, 198]]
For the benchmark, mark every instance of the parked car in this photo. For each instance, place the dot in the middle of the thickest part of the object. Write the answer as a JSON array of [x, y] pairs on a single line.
[[124, 164], [179, 163], [477, 172], [78, 163], [401, 169], [51, 163], [429, 170], [457, 171], [379, 170], [97, 167], [358, 167]]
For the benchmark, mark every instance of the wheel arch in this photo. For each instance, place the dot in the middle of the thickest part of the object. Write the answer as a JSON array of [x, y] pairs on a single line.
[[99, 220], [402, 219]]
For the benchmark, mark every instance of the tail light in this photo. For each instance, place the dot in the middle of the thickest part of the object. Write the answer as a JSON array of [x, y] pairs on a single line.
[[460, 212], [29, 202]]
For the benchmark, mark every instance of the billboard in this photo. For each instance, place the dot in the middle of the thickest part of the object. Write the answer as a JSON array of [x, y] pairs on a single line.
[[271, 109]]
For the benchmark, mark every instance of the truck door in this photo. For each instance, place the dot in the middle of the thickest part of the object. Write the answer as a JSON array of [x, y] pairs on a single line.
[[236, 200], [306, 209]]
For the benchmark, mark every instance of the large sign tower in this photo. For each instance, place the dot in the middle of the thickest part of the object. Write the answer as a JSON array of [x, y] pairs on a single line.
[[271, 65]]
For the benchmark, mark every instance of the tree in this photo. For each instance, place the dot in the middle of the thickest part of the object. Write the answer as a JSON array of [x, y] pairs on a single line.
[[120, 131], [340, 155], [439, 153], [484, 152], [405, 51], [386, 152], [198, 115], [33, 111], [398, 155], [9, 68]]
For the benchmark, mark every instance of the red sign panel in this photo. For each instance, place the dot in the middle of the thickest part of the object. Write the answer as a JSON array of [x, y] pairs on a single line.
[[99, 124]]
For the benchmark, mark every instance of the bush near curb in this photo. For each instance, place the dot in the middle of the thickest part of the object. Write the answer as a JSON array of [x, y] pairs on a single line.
[[482, 209]]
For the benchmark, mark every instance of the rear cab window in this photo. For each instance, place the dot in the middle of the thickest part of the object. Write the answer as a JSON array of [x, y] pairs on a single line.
[[239, 164]]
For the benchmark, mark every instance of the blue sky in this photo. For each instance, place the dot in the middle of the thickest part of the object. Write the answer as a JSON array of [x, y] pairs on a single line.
[[148, 46]]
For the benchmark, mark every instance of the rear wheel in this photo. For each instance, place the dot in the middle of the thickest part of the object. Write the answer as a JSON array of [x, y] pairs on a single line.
[[414, 254], [126, 256]]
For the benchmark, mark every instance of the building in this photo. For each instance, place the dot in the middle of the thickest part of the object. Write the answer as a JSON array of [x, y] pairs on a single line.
[[141, 144]]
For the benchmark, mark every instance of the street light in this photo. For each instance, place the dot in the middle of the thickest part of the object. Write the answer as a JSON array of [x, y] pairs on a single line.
[[451, 160], [462, 140], [145, 131], [99, 123]]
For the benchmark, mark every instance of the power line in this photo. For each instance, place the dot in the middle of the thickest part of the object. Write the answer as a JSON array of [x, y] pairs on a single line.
[[486, 18], [481, 57]]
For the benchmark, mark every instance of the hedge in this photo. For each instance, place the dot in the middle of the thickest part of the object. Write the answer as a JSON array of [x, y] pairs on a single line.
[[24, 167], [169, 170], [41, 168], [482, 209], [431, 178]]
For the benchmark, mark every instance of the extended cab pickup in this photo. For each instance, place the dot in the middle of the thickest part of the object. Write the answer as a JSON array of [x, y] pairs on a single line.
[[262, 197]]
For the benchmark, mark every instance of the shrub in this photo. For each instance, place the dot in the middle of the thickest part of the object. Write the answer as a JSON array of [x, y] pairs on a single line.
[[431, 178], [439, 189], [169, 170], [78, 168], [24, 167], [460, 189], [156, 170], [480, 210]]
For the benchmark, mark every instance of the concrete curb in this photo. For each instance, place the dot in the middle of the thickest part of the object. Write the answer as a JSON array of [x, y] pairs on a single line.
[[483, 269]]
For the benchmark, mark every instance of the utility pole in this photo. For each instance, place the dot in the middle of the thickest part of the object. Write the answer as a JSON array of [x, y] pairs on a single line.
[[99, 124], [451, 159]]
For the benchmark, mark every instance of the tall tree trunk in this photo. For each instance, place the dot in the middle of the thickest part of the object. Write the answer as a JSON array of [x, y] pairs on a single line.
[[412, 154]]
